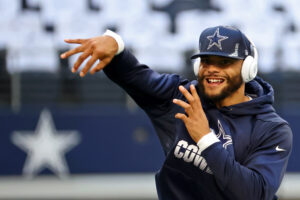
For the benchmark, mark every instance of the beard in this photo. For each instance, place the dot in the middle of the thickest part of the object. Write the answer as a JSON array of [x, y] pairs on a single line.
[[233, 84]]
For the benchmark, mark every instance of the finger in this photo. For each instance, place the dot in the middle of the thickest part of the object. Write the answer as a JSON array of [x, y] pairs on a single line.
[[99, 66], [75, 41], [181, 116], [71, 52], [187, 107], [198, 105], [195, 95], [80, 60], [194, 92], [187, 95], [88, 65]]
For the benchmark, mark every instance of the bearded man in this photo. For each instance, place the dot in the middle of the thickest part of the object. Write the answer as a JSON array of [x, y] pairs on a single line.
[[221, 135]]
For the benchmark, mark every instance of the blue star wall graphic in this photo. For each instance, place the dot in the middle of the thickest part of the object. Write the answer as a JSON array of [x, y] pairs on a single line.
[[46, 147]]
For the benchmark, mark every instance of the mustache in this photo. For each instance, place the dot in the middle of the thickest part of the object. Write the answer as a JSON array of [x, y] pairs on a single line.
[[213, 75]]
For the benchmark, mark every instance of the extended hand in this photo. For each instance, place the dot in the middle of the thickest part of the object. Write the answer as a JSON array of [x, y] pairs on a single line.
[[195, 120], [101, 47]]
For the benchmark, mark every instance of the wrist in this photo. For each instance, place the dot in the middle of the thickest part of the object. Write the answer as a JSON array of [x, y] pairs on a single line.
[[207, 140], [118, 39], [198, 137]]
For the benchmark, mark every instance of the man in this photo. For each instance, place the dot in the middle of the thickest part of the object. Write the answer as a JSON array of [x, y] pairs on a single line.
[[221, 136]]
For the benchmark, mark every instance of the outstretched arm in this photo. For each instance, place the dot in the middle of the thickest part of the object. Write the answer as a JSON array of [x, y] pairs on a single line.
[[147, 87]]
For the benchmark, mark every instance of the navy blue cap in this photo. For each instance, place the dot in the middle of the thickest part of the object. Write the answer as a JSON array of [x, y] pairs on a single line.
[[223, 41]]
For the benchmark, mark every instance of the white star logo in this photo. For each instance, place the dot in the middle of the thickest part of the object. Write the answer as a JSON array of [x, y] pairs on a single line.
[[45, 147], [225, 137], [216, 39]]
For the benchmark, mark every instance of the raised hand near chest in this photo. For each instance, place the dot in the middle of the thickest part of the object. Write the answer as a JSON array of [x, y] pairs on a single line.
[[194, 118]]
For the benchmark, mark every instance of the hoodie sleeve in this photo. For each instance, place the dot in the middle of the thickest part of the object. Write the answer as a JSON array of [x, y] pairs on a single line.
[[148, 88], [260, 175]]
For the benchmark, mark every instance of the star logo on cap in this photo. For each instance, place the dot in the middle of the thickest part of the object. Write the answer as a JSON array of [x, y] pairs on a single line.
[[216, 39]]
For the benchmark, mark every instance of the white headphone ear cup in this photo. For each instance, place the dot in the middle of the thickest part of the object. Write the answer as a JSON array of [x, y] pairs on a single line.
[[249, 69], [196, 66], [246, 67]]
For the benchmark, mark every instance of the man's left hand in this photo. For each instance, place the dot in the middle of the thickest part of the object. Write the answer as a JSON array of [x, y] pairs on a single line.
[[195, 119]]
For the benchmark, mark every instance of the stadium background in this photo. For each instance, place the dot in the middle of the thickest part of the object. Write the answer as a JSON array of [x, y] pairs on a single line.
[[108, 148]]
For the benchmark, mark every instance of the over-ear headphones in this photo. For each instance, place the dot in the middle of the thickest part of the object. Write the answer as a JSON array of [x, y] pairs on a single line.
[[249, 67], [196, 65]]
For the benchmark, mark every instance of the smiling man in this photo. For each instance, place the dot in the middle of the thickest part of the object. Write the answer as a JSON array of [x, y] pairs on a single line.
[[222, 80], [220, 134]]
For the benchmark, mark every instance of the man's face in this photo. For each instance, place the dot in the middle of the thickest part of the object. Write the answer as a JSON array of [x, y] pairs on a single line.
[[219, 77]]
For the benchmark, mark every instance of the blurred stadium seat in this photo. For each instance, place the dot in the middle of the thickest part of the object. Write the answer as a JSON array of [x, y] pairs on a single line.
[[41, 26]]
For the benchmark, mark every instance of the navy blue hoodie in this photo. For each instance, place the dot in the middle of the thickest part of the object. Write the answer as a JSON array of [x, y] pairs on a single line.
[[255, 143]]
